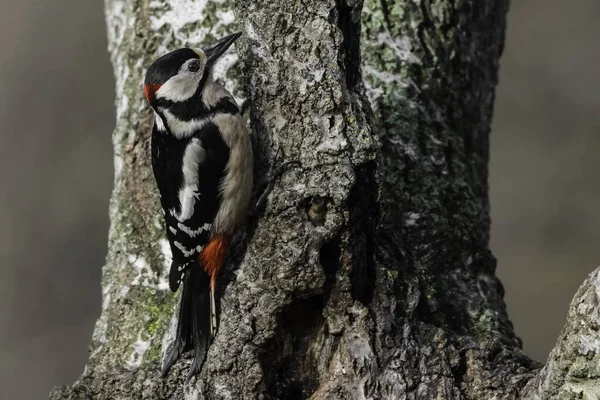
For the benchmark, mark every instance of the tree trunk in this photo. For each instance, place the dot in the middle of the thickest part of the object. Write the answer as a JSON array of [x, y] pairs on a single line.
[[368, 274]]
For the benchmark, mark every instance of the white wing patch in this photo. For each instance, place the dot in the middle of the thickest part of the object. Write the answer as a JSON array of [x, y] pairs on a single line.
[[194, 155], [193, 232], [187, 200], [183, 250]]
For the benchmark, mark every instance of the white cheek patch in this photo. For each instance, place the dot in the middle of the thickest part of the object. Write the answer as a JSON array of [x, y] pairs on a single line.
[[179, 88], [183, 85]]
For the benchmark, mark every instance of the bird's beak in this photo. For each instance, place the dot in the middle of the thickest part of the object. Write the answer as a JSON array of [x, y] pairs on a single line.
[[216, 50]]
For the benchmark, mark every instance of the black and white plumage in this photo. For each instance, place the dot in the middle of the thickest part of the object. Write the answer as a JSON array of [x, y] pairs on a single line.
[[202, 163]]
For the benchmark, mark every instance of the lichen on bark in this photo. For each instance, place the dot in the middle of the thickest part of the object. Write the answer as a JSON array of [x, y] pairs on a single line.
[[367, 275]]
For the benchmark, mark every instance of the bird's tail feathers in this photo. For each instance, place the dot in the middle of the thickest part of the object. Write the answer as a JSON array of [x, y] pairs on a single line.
[[194, 327]]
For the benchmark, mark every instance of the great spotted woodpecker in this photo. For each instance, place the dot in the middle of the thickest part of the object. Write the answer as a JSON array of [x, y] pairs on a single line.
[[203, 166]]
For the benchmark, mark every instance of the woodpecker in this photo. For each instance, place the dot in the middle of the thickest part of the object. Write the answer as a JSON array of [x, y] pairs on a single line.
[[203, 166]]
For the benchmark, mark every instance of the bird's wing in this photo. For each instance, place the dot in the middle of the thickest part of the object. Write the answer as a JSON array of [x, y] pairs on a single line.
[[189, 223]]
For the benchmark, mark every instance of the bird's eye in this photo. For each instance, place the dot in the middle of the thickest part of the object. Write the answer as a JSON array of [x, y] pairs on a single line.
[[194, 66]]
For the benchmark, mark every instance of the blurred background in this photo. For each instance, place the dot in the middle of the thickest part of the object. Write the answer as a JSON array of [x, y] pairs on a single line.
[[56, 171]]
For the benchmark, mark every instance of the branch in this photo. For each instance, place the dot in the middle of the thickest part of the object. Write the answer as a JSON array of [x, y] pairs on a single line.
[[573, 367]]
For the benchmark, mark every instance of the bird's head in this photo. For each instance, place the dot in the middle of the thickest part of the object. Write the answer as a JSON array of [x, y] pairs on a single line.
[[181, 74]]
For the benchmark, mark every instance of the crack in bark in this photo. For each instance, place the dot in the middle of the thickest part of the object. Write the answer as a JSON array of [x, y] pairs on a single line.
[[364, 216], [348, 21]]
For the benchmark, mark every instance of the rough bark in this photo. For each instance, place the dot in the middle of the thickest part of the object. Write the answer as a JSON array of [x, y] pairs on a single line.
[[368, 274]]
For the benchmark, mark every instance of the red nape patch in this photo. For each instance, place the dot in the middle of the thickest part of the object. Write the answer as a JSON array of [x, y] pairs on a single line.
[[150, 91], [213, 255]]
